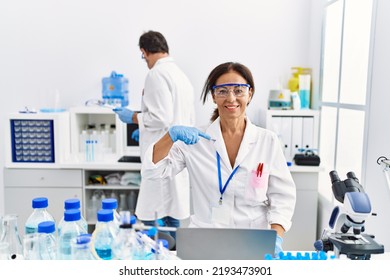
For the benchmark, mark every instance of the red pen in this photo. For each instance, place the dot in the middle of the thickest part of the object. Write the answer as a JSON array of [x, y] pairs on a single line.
[[260, 169]]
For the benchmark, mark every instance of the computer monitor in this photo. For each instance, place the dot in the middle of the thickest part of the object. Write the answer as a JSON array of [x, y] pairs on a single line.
[[130, 128], [130, 151]]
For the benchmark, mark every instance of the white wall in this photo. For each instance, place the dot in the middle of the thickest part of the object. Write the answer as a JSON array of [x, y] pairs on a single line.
[[71, 45]]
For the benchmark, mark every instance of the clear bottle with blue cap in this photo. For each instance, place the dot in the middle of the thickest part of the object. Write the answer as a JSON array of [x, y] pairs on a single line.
[[104, 234], [39, 214], [126, 245], [81, 248], [70, 230], [112, 204], [73, 203], [47, 240]]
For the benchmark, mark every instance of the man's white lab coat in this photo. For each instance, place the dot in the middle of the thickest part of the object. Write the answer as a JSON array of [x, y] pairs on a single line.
[[167, 99]]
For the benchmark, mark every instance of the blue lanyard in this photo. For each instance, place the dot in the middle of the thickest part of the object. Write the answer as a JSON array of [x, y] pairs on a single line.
[[222, 190]]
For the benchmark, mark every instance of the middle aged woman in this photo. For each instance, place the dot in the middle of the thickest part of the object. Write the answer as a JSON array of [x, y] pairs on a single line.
[[238, 173]]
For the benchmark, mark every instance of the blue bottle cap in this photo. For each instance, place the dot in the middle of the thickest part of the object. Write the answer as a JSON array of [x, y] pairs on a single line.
[[105, 215], [109, 203], [72, 203], [83, 238], [152, 231], [72, 215], [40, 202], [47, 227]]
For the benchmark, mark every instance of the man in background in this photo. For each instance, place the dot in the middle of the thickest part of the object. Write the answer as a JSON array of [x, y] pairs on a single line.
[[167, 99]]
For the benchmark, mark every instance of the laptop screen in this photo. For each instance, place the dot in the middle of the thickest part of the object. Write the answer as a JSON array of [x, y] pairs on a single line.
[[224, 243]]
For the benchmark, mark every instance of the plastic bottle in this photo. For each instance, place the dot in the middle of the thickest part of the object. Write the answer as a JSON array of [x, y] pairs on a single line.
[[149, 246], [112, 204], [31, 246], [47, 240], [126, 245], [293, 83], [104, 134], [304, 90], [83, 140], [163, 252], [81, 248], [72, 203], [115, 90], [104, 234], [112, 138], [70, 229], [39, 214], [132, 201], [122, 202]]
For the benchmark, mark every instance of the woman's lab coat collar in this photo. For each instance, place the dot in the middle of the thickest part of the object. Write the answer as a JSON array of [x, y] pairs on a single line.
[[248, 141]]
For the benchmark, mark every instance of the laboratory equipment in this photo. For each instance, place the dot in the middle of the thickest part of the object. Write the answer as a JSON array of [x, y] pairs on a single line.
[[11, 236], [4, 251], [384, 162], [39, 214], [72, 203], [115, 90], [31, 246], [81, 248], [47, 239], [304, 90], [302, 256], [70, 230], [104, 234], [112, 204], [279, 99], [98, 103], [38, 138], [308, 158], [126, 245], [347, 221]]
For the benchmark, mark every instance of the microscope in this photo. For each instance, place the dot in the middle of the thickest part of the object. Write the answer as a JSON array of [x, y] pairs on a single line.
[[346, 224]]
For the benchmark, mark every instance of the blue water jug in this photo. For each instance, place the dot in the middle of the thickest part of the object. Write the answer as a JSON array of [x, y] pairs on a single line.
[[115, 90]]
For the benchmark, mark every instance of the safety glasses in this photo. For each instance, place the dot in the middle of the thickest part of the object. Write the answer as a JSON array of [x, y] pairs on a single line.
[[223, 90]]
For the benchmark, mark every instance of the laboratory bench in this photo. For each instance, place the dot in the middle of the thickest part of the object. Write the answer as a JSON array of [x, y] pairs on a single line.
[[59, 182]]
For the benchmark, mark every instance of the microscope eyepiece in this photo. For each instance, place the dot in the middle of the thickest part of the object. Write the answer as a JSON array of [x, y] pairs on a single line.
[[351, 175], [334, 177]]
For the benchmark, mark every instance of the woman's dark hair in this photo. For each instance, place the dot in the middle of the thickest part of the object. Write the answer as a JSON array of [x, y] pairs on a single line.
[[153, 42], [217, 72]]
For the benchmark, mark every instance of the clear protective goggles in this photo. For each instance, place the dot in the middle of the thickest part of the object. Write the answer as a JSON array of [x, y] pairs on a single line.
[[223, 90]]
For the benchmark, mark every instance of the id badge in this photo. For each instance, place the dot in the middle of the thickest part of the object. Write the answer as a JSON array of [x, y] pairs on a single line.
[[220, 214]]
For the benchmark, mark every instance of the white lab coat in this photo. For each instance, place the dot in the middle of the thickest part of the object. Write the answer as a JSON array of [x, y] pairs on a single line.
[[250, 201], [167, 99]]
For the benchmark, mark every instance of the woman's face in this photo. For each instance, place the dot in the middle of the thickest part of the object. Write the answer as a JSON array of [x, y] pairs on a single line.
[[231, 106]]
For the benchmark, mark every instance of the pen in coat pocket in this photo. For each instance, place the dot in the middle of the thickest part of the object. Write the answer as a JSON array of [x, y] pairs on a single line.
[[260, 169]]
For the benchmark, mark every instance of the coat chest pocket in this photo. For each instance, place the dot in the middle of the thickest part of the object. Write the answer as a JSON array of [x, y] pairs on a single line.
[[256, 187]]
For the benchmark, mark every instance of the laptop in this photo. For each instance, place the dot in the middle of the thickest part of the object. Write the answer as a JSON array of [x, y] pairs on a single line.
[[224, 243]]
